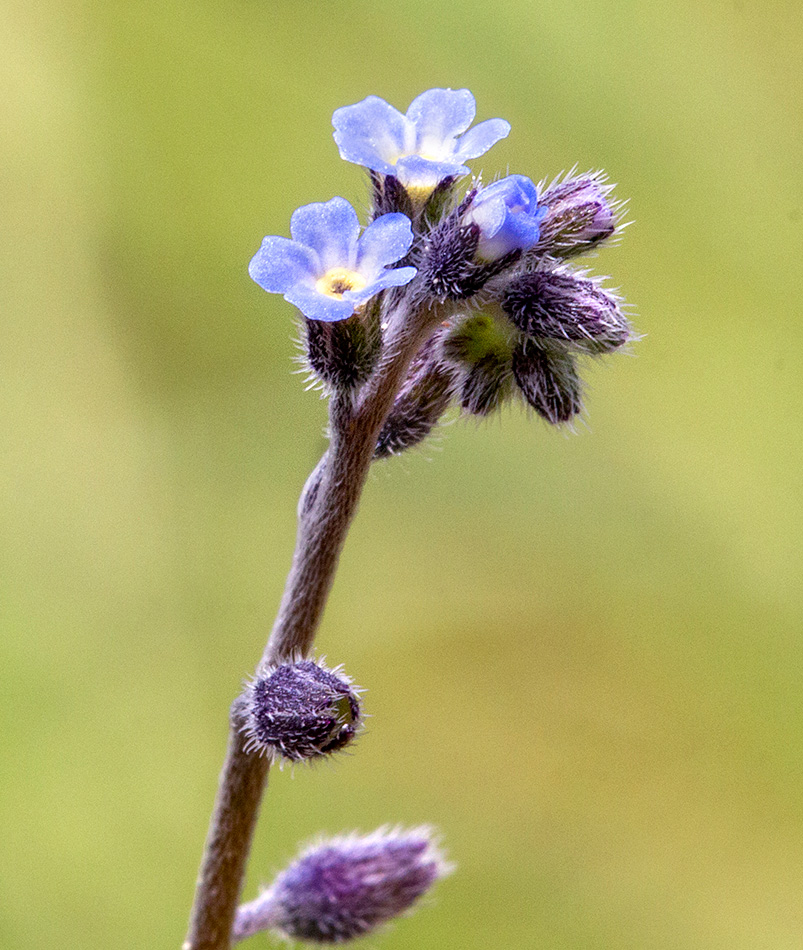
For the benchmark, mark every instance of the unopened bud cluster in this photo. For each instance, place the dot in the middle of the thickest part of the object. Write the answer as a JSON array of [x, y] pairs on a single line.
[[494, 261]]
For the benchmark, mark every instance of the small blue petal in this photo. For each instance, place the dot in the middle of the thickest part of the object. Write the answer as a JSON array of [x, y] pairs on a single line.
[[392, 278], [330, 228], [370, 133], [280, 263], [478, 140], [441, 114], [383, 242], [318, 306]]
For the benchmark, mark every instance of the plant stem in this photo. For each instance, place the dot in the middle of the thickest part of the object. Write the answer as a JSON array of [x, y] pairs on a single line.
[[327, 508]]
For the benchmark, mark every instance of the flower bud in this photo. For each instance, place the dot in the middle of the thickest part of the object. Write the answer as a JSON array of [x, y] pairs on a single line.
[[301, 710], [346, 887], [448, 270], [548, 380], [422, 400], [507, 215], [343, 354], [558, 306], [480, 346], [486, 385], [578, 216], [455, 263]]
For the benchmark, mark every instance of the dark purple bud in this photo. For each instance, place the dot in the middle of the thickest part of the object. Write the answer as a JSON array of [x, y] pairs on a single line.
[[344, 353], [301, 710], [344, 888], [448, 268], [548, 381], [578, 216], [422, 400], [389, 195], [553, 306], [449, 265], [486, 385]]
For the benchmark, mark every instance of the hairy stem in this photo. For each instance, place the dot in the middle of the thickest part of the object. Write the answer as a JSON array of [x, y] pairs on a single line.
[[326, 509]]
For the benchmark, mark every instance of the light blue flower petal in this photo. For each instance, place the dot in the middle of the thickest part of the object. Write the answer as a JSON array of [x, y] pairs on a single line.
[[370, 133], [330, 228], [317, 306], [440, 115], [383, 242], [415, 171], [521, 189], [397, 277], [280, 263], [522, 230], [478, 140], [489, 215]]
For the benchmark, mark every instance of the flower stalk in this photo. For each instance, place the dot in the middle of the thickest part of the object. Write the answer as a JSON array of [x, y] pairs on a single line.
[[322, 530]]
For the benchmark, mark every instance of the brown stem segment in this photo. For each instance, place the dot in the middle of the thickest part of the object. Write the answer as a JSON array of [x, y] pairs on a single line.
[[328, 506], [242, 782]]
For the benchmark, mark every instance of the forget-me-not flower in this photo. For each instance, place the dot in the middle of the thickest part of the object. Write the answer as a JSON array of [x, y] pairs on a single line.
[[328, 270], [424, 146], [507, 215]]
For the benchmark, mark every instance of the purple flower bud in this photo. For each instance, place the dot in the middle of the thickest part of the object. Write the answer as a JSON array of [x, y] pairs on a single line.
[[578, 216], [486, 385], [346, 887], [548, 380], [507, 215], [559, 306], [422, 400], [301, 710]]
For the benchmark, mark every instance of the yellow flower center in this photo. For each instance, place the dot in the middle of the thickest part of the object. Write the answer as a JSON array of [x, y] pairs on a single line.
[[338, 281]]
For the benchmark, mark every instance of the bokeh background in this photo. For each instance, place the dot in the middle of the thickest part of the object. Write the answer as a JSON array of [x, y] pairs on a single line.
[[583, 651]]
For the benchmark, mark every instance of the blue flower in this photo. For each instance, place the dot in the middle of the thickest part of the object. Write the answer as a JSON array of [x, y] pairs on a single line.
[[328, 270], [420, 148], [507, 215]]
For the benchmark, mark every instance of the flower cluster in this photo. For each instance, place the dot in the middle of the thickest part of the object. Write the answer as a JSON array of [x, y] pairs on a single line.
[[465, 296], [512, 314]]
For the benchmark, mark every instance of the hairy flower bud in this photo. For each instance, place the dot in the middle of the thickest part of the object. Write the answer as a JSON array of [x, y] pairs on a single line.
[[548, 380], [558, 306], [480, 346], [578, 216], [486, 385], [301, 710], [346, 887], [451, 265], [344, 354], [422, 400]]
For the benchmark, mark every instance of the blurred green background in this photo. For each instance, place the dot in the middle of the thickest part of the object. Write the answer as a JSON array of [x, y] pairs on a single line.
[[583, 652]]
